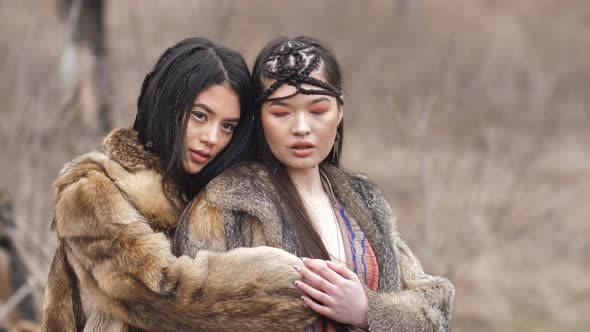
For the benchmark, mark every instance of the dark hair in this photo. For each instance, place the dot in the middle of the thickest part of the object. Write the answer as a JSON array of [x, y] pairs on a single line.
[[310, 241], [167, 95]]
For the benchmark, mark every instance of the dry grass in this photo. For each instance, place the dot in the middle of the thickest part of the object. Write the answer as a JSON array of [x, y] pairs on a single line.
[[470, 115]]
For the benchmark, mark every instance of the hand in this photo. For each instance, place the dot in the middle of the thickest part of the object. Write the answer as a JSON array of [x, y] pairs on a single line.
[[338, 290]]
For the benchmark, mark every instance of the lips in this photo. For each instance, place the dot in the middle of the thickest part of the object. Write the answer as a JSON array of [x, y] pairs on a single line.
[[200, 156], [301, 148]]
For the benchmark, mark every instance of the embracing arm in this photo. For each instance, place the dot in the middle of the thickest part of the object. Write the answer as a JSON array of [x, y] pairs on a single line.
[[423, 304], [202, 228], [130, 272]]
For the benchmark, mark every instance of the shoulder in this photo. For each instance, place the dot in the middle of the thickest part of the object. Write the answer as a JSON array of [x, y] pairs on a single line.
[[244, 184], [373, 198], [364, 185], [81, 169], [355, 185], [109, 179], [242, 189], [245, 173], [120, 156], [95, 161], [81, 191], [245, 190], [360, 194]]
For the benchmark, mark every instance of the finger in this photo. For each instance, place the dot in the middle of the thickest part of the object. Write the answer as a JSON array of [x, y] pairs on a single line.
[[342, 270], [315, 294], [316, 281], [303, 270], [320, 309], [319, 267]]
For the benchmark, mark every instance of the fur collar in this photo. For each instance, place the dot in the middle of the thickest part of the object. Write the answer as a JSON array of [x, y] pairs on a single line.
[[247, 188], [135, 171], [123, 146]]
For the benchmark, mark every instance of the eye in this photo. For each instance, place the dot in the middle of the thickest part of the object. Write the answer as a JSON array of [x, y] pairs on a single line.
[[228, 127], [199, 116], [319, 110], [279, 112]]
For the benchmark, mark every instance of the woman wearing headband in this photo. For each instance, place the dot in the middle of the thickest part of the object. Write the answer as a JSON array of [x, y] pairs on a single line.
[[358, 272], [116, 210]]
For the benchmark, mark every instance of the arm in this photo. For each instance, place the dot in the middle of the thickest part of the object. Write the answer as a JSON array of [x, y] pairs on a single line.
[[202, 228], [130, 272], [423, 304]]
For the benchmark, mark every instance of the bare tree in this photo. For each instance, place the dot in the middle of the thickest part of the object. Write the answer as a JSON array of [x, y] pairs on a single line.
[[83, 65]]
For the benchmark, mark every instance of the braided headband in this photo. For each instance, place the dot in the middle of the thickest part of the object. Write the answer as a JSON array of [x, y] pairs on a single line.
[[291, 63]]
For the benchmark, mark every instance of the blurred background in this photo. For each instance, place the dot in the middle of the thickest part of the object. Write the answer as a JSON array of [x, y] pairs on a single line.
[[470, 115]]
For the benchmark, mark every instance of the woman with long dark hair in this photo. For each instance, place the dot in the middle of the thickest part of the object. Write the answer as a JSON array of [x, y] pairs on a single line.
[[358, 272], [117, 208]]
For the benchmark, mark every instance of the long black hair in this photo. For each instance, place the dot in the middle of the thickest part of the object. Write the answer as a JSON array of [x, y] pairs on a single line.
[[310, 242], [167, 96]]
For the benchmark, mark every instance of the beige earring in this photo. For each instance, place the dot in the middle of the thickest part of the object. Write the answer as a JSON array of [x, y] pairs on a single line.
[[336, 148]]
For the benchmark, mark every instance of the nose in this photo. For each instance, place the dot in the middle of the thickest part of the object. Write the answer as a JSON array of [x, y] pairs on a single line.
[[301, 127], [209, 135]]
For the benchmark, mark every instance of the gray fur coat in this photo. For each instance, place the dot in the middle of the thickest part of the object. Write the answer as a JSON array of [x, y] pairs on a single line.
[[236, 210]]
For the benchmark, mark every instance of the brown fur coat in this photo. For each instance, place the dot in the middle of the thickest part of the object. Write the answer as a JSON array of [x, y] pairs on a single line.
[[236, 210], [114, 269]]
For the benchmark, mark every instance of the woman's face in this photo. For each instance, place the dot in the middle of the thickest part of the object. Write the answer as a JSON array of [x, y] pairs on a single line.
[[211, 124], [300, 130]]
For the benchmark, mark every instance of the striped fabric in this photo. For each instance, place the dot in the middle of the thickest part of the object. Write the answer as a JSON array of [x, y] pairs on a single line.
[[364, 262], [361, 260]]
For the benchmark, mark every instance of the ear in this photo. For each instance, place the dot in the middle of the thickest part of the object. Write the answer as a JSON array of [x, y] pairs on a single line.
[[340, 114]]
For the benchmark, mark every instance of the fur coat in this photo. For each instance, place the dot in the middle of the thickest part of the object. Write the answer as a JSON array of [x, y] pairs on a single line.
[[237, 210], [114, 269]]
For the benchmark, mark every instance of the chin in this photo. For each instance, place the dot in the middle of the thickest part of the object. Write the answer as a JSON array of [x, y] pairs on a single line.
[[194, 169], [301, 163]]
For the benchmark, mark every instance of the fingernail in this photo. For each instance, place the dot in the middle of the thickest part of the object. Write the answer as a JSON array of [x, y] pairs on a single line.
[[304, 258], [329, 262], [302, 298], [297, 283], [296, 267]]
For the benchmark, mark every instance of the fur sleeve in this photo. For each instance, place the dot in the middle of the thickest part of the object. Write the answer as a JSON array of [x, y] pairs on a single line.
[[129, 271], [424, 303], [200, 228]]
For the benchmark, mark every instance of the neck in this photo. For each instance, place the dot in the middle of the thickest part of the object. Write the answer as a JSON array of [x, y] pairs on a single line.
[[307, 181]]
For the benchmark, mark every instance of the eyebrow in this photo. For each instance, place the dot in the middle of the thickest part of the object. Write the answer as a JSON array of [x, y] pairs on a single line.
[[315, 101], [318, 100], [210, 111], [279, 103]]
